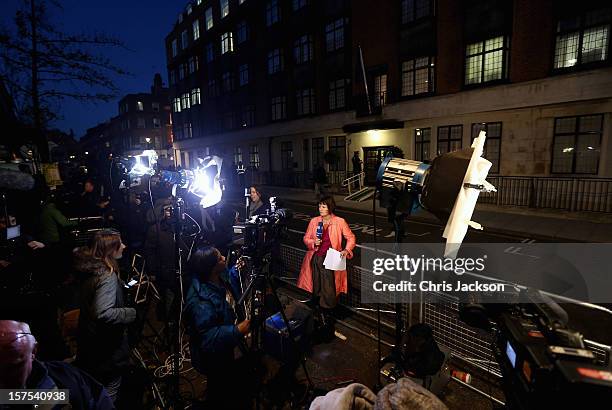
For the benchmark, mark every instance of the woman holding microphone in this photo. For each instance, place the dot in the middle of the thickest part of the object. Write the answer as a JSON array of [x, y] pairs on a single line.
[[324, 232]]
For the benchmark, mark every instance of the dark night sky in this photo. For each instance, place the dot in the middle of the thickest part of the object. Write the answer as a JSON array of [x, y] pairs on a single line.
[[141, 25]]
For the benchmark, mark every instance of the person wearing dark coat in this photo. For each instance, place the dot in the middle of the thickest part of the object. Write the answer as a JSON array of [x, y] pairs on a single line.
[[19, 369], [258, 204], [102, 344], [214, 332]]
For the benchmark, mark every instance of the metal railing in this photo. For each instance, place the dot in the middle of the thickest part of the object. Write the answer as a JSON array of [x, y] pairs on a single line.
[[438, 310], [354, 183], [569, 194]]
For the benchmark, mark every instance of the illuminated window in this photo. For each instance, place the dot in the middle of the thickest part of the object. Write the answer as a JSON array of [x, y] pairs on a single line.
[[224, 8], [449, 138], [418, 76], [582, 38], [254, 156], [492, 147], [380, 90], [422, 144], [196, 30], [577, 144], [209, 18], [486, 61], [195, 96], [227, 43], [139, 106]]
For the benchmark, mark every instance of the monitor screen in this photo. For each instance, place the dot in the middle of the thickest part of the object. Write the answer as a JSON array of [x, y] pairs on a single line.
[[13, 232], [511, 354]]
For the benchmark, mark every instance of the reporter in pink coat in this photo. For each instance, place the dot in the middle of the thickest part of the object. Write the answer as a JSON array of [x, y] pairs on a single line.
[[324, 284]]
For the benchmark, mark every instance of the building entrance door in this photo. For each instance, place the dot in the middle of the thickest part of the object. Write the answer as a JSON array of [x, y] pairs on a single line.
[[372, 158]]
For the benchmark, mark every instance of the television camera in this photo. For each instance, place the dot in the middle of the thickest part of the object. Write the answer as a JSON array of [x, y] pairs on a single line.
[[544, 363]]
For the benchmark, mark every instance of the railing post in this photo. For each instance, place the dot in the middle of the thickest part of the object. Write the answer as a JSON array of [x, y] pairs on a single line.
[[531, 193]]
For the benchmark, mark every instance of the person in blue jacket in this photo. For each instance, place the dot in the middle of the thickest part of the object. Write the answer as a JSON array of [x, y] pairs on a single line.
[[215, 335]]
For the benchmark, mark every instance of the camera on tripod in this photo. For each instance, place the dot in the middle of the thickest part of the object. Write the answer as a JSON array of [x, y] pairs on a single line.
[[263, 232], [544, 363]]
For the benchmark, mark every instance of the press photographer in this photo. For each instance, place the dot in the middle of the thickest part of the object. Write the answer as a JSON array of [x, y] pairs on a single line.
[[215, 334]]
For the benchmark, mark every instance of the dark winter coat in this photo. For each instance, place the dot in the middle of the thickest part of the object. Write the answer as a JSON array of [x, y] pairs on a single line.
[[84, 391], [102, 345], [210, 322]]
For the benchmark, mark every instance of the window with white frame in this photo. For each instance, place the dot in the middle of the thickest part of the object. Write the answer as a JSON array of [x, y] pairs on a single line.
[[287, 155], [418, 76], [334, 35], [318, 150], [210, 52], [577, 144], [302, 49], [198, 2], [174, 48], [195, 96], [156, 123], [582, 38], [486, 61], [229, 120], [422, 144], [492, 147], [272, 12], [185, 101], [449, 138], [275, 61], [336, 94], [141, 123], [181, 71], [224, 5], [184, 39], [298, 4], [155, 106], [227, 43], [242, 32], [180, 18], [172, 77], [380, 90], [254, 156], [278, 108], [412, 10], [243, 74], [189, 9], [196, 29], [305, 101], [139, 106], [176, 104], [208, 15]]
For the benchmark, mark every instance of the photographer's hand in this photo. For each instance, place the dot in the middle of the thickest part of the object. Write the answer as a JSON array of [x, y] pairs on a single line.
[[244, 326]]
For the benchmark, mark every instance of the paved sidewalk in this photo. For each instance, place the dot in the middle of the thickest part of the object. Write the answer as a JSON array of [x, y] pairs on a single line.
[[544, 223]]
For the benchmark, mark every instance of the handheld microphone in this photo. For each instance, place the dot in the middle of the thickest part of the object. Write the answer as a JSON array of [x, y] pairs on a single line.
[[320, 231]]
